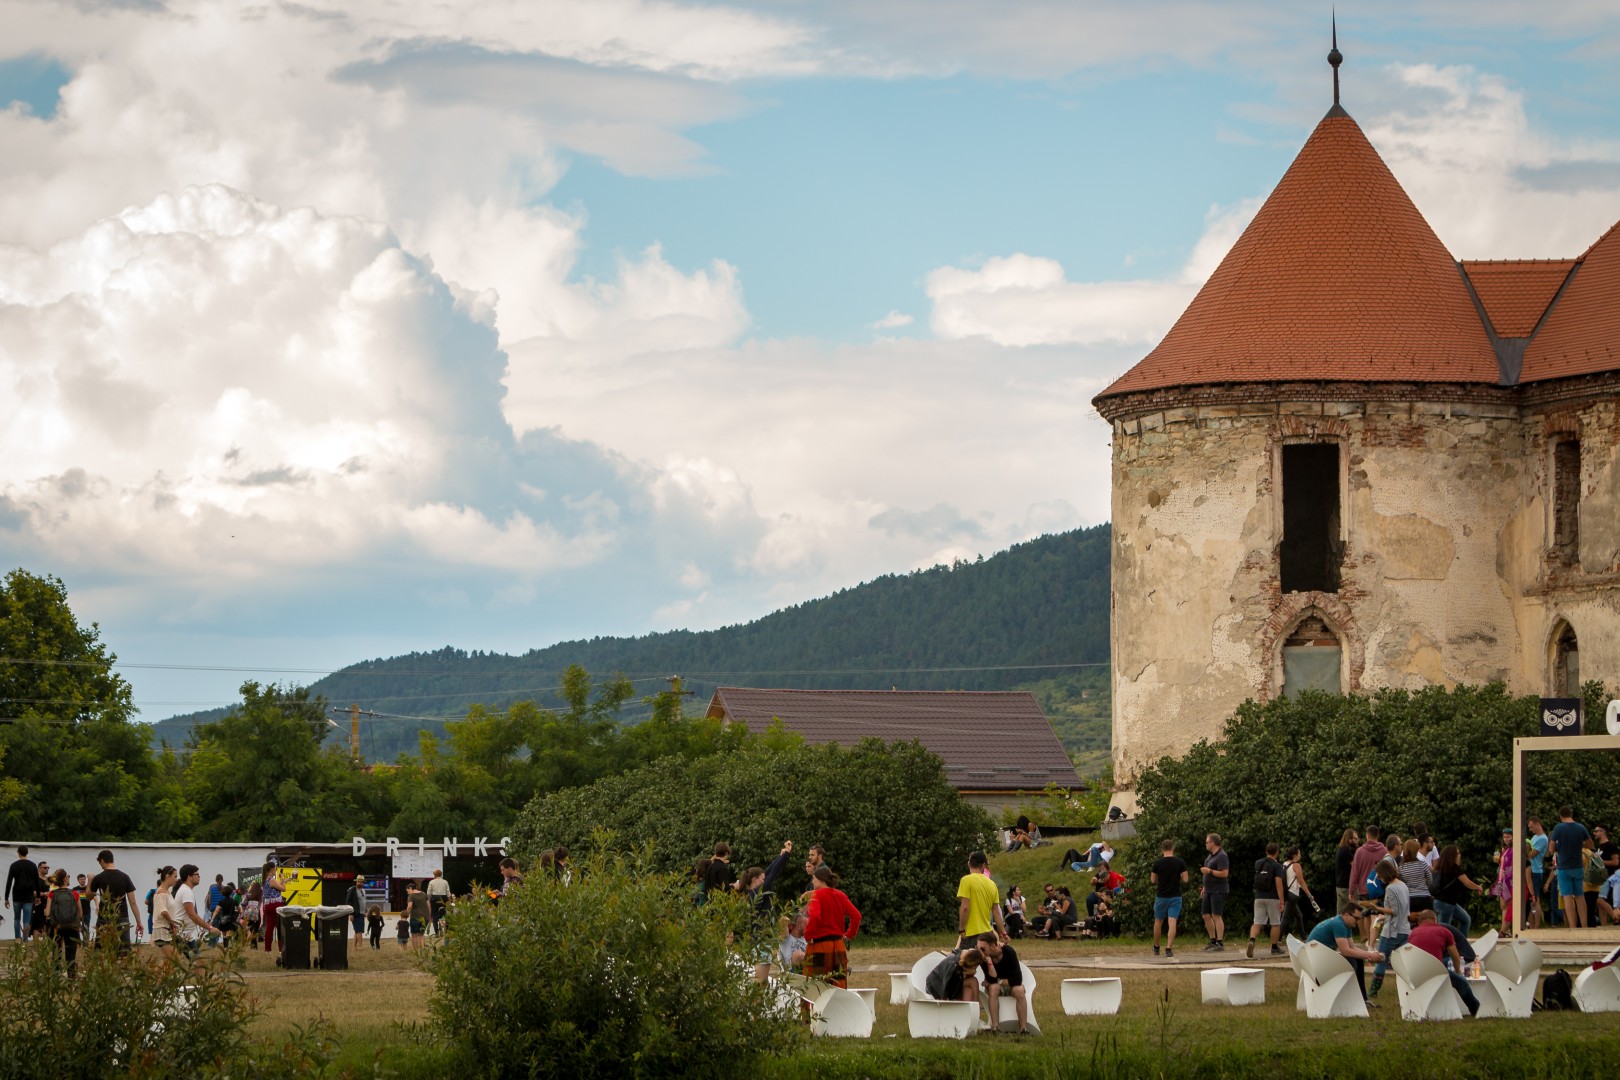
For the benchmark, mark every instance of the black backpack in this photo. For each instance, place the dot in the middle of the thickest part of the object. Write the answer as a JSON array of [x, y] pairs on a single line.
[[1556, 991], [64, 910], [1265, 879]]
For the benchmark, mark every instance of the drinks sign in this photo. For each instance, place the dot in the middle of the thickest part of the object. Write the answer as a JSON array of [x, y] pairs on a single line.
[[1560, 716], [449, 845]]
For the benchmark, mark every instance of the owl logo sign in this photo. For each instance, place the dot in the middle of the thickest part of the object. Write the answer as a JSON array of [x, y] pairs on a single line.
[[1560, 716]]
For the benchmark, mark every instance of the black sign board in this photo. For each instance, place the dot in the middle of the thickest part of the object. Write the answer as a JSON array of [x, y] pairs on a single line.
[[1560, 716]]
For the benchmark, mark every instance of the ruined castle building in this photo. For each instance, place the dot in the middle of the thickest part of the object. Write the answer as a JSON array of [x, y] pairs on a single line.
[[1355, 462]]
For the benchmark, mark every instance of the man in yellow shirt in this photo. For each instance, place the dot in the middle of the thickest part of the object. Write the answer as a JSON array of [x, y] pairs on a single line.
[[981, 903]]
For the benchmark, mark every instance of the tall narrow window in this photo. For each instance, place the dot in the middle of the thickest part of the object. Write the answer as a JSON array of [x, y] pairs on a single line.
[[1566, 544], [1566, 663], [1311, 550], [1312, 659]]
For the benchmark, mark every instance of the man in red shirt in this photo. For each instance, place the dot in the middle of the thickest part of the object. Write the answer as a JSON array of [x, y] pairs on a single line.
[[1439, 942], [1368, 856]]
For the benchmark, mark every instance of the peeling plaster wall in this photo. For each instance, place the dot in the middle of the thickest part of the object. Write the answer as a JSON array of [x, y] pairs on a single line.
[[1444, 523]]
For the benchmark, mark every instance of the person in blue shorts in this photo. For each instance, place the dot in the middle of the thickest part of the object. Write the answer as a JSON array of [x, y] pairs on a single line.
[[1570, 863], [1169, 877]]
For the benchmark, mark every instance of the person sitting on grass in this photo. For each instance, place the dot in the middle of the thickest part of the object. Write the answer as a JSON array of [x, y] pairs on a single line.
[[952, 978], [1060, 915], [1339, 934], [1003, 974], [1101, 922]]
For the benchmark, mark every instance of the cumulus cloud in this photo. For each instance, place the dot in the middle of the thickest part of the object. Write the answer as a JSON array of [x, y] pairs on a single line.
[[892, 321]]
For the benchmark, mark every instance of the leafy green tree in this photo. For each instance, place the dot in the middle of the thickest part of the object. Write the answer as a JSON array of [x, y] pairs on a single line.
[[893, 827], [1302, 771], [77, 764]]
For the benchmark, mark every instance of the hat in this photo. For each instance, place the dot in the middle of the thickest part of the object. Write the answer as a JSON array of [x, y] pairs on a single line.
[[1507, 832]]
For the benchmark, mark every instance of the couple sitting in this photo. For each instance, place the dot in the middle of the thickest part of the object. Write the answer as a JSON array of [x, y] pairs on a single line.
[[1023, 834]]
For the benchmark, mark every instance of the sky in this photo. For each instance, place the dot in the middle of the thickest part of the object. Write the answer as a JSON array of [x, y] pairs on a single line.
[[331, 331]]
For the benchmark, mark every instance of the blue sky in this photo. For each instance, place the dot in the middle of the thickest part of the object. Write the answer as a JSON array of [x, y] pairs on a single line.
[[333, 331]]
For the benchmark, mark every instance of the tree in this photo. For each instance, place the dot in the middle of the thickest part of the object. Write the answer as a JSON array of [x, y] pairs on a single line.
[[79, 765], [1302, 771], [892, 825]]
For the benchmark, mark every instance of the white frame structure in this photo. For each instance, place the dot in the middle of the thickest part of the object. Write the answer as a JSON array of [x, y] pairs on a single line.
[[1521, 747]]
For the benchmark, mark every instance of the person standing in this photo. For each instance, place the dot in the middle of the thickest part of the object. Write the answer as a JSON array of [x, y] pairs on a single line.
[[42, 891], [1339, 934], [1538, 870], [979, 910], [419, 910], [1297, 894], [1269, 895], [1367, 856], [191, 923], [831, 923], [216, 893], [1343, 858], [438, 892], [1169, 877], [511, 878], [272, 897], [714, 874], [117, 911], [165, 927], [1451, 889], [1502, 887], [1398, 925], [1569, 864], [20, 893], [65, 919], [356, 899], [1212, 892]]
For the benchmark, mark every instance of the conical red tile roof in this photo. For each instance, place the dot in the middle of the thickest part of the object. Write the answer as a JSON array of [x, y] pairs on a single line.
[[1581, 335], [1338, 277]]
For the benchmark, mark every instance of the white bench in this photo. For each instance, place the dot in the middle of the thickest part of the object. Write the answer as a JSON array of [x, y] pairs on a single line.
[[1233, 986], [868, 994], [1091, 997], [899, 987], [929, 1019]]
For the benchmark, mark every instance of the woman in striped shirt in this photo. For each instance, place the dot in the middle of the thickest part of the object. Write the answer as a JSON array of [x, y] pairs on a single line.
[[1414, 870]]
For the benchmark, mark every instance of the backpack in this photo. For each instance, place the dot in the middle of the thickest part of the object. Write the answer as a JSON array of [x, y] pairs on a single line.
[[64, 910], [1556, 991], [1265, 879], [1374, 887], [1596, 872]]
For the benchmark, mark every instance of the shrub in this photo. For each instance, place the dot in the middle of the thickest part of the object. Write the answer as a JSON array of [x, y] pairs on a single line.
[[1302, 771], [893, 827], [616, 974], [137, 1017]]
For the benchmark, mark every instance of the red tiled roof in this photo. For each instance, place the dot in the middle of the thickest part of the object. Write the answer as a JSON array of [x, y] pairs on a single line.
[[988, 740], [1582, 333], [1515, 292], [1337, 277]]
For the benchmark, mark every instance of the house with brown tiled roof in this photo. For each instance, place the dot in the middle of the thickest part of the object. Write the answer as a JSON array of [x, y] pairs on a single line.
[[995, 744], [1355, 462]]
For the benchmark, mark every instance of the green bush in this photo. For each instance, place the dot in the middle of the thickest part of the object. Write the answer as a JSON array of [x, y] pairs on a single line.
[[614, 975], [1302, 771], [893, 827], [135, 1016]]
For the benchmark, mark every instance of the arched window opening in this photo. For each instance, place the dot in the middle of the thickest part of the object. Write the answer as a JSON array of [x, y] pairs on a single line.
[[1312, 659], [1566, 673]]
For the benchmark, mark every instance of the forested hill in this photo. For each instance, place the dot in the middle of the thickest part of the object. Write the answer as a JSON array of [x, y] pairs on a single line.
[[1022, 615]]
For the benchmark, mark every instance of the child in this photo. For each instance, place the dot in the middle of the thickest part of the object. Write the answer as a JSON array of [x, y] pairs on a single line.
[[403, 930], [374, 924]]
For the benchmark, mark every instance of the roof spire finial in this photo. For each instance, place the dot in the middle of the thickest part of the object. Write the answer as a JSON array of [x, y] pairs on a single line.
[[1335, 58]]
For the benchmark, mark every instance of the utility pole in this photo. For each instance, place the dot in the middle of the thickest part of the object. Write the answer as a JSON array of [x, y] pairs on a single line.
[[355, 713], [676, 694]]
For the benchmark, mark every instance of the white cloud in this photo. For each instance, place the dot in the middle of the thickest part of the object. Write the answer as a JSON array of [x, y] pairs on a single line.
[[892, 321]]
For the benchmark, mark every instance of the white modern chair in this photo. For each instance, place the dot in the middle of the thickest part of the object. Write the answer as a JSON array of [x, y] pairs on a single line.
[[1233, 986], [1296, 950], [919, 974], [930, 1019], [1486, 944], [899, 987], [1091, 997], [869, 995], [1513, 970], [1008, 1020], [1425, 988], [810, 990], [1330, 984], [841, 1013], [1598, 989]]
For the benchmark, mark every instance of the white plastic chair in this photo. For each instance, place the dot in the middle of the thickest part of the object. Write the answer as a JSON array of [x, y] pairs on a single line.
[[1487, 944], [919, 974], [1296, 949], [1598, 990], [841, 1013], [1425, 987], [930, 1019], [867, 994], [1513, 970], [899, 987], [1008, 1020], [1330, 984], [1233, 986], [810, 990], [1091, 997]]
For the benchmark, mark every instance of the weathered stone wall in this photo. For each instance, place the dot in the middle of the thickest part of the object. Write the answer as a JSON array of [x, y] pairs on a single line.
[[1445, 522]]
